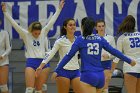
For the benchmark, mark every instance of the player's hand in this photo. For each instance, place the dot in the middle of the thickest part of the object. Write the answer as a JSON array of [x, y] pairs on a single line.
[[3, 5], [1, 57], [105, 56], [133, 63], [38, 71], [61, 5], [53, 77]]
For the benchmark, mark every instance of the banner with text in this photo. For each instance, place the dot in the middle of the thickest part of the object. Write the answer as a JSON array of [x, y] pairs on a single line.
[[112, 11]]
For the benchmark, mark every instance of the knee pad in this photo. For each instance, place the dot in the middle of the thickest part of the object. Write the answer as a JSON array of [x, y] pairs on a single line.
[[4, 88], [29, 90], [39, 91], [44, 87]]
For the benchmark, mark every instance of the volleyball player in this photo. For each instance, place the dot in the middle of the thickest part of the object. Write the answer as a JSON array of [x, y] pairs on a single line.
[[70, 74], [34, 39], [129, 44], [5, 49], [90, 47], [106, 57]]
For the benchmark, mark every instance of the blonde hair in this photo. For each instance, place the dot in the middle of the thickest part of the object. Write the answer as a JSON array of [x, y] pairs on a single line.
[[34, 26]]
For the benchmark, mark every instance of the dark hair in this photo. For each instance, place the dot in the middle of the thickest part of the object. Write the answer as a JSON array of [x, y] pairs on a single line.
[[35, 26], [128, 25], [99, 21], [63, 30], [87, 24]]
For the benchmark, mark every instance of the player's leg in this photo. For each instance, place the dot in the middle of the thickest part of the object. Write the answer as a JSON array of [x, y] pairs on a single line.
[[107, 71], [138, 84], [101, 82], [63, 84], [75, 81], [130, 83], [99, 90], [44, 88], [76, 85], [29, 79], [63, 81], [107, 80], [42, 79], [87, 88], [4, 70]]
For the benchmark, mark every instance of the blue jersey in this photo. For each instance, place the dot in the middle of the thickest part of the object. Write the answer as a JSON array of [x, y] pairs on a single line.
[[90, 51]]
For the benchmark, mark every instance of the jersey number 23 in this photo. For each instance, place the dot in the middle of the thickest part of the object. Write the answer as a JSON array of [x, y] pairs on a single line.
[[93, 48]]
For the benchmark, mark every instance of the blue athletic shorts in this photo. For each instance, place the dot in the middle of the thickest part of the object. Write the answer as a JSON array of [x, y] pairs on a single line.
[[137, 75], [95, 79], [35, 62], [106, 64], [70, 74]]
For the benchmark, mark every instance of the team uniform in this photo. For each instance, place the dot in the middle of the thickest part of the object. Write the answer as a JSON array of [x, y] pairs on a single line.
[[35, 62], [90, 49], [63, 45], [106, 62], [35, 47], [129, 44], [5, 47]]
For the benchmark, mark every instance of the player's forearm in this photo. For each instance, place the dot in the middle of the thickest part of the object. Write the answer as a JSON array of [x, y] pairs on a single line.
[[50, 54], [53, 19], [42, 65], [63, 62], [118, 54], [7, 52], [14, 24]]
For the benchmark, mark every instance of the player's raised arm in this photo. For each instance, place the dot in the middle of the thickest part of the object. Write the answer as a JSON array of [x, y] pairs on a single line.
[[53, 18], [19, 29]]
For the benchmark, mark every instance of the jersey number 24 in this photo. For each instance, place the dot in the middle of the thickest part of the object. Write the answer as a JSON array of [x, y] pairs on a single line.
[[36, 43]]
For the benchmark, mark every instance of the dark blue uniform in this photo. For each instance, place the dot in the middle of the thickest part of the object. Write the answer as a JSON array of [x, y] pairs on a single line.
[[90, 50]]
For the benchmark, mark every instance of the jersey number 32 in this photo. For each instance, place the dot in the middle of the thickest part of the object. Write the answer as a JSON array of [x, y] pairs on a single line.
[[135, 42]]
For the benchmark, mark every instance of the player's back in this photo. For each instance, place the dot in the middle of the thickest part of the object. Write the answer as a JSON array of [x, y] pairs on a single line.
[[131, 44], [90, 51]]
